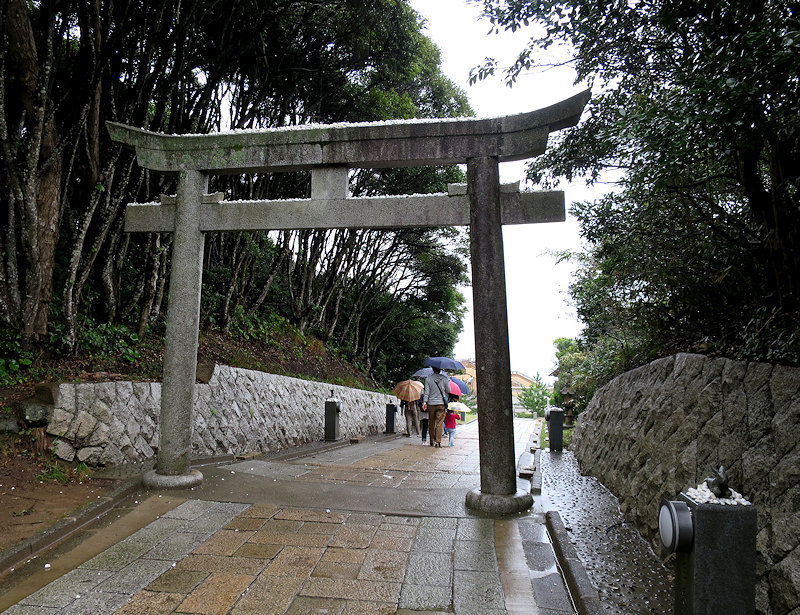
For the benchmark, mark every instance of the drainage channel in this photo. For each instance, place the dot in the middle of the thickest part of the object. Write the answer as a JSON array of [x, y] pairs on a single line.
[[628, 575]]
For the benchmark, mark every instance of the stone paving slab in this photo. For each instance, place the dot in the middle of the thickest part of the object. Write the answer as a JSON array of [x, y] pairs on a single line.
[[241, 558], [351, 568]]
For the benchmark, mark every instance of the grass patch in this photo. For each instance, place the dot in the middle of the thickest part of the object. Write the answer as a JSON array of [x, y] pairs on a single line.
[[566, 437]]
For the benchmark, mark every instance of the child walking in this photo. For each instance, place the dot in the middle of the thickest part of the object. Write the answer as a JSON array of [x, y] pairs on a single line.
[[450, 425]]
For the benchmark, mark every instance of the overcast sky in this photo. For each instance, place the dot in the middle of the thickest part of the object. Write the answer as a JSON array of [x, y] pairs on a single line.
[[536, 287]]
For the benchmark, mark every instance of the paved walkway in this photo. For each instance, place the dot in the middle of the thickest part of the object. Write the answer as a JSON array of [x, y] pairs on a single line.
[[372, 528]]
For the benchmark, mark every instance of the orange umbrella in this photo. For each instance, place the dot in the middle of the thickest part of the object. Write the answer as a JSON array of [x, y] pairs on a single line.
[[408, 390]]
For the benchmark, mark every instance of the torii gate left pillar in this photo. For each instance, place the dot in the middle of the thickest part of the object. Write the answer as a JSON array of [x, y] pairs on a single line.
[[328, 152]]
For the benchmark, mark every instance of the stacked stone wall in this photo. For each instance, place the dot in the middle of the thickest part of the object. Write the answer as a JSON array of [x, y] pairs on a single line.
[[662, 428], [238, 411]]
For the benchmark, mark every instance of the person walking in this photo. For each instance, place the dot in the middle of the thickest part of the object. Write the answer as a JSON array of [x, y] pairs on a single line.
[[437, 387], [411, 412], [450, 423]]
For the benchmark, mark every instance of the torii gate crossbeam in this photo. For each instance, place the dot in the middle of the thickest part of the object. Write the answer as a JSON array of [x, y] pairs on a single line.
[[329, 152]]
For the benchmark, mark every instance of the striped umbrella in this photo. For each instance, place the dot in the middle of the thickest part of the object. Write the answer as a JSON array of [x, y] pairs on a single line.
[[408, 390]]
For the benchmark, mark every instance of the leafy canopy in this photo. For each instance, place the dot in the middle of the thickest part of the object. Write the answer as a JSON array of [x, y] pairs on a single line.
[[696, 111]]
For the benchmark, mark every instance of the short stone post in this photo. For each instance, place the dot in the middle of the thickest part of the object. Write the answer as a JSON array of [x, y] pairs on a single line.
[[719, 574], [498, 493], [555, 429], [333, 407], [391, 411], [714, 541]]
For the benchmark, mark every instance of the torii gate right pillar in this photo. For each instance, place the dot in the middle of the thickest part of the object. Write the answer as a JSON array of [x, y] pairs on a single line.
[[498, 493]]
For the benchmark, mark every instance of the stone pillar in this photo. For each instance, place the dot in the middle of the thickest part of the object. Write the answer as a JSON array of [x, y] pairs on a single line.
[[498, 493], [180, 351]]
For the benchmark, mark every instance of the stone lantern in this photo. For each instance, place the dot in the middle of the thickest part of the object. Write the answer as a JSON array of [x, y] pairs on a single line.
[[566, 395]]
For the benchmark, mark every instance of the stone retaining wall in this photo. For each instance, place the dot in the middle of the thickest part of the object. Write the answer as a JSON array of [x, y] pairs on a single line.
[[662, 428], [238, 411]]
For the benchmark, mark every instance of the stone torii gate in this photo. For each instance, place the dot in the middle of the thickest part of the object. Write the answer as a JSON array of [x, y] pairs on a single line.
[[329, 152]]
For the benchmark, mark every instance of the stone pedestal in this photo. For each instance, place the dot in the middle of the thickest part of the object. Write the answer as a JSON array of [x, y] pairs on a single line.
[[555, 429], [718, 575], [333, 408], [391, 412], [154, 480]]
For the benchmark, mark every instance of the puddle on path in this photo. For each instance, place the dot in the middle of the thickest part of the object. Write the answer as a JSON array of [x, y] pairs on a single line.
[[627, 573]]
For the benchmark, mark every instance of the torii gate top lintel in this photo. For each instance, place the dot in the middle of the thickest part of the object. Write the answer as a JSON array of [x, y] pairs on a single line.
[[364, 145]]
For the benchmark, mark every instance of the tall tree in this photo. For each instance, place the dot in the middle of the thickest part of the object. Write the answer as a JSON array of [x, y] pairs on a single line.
[[697, 106], [67, 67]]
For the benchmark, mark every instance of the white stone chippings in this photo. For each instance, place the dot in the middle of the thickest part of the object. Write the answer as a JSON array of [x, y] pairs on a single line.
[[703, 495]]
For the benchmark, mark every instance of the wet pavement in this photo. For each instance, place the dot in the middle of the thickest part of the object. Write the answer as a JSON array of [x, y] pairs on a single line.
[[628, 575], [374, 527]]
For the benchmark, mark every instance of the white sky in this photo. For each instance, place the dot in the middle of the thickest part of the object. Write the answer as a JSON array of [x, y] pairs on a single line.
[[536, 287]]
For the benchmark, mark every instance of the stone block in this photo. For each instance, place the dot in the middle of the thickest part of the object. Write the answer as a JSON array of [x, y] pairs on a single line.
[[61, 423], [63, 450], [785, 533], [90, 455], [99, 436], [84, 425], [760, 410], [110, 455], [47, 392], [34, 413], [784, 579], [786, 423], [9, 424]]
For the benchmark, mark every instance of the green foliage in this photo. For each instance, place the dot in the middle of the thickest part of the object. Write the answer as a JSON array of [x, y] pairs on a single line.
[[53, 471], [471, 401], [535, 397], [261, 328], [13, 359], [696, 111], [573, 369], [101, 340], [82, 471], [280, 64]]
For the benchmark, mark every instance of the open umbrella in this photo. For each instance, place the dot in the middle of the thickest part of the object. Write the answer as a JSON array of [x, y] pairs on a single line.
[[457, 406], [443, 363], [425, 371], [455, 389], [461, 384], [408, 390]]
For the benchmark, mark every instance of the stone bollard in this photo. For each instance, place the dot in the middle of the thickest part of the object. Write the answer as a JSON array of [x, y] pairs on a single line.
[[714, 541], [555, 427], [333, 407], [391, 410]]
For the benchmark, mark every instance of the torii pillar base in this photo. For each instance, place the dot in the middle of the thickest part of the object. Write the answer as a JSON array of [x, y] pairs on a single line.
[[499, 505], [154, 480]]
